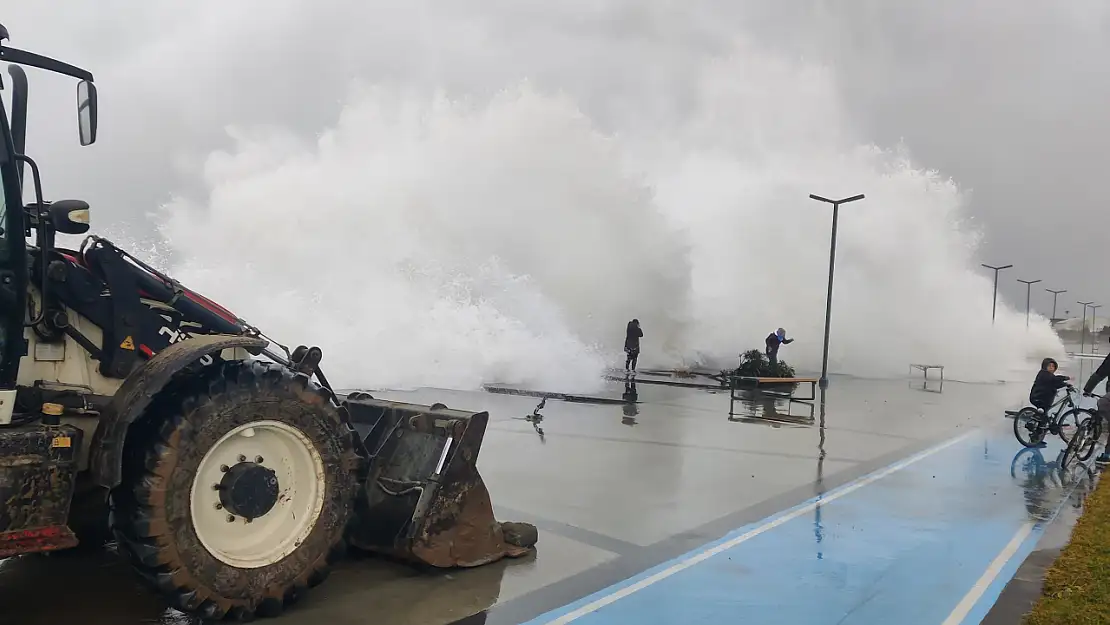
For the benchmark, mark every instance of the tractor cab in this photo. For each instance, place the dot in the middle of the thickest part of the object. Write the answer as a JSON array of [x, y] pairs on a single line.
[[16, 220]]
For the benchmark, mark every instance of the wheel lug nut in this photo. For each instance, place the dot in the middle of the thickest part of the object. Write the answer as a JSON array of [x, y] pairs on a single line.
[[216, 487], [242, 458], [224, 468], [230, 518], [219, 506], [258, 459]]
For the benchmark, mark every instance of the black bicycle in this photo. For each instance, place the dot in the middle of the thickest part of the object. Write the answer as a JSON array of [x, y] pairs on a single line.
[[1087, 433], [1032, 424]]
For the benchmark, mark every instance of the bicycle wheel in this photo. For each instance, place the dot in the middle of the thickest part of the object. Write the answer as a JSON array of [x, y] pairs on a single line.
[[1029, 462], [1072, 448], [1098, 425], [1085, 438], [1069, 422], [1082, 475], [1029, 429]]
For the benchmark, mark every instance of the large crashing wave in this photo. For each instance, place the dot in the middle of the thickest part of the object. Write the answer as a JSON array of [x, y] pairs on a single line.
[[423, 241], [656, 164], [427, 243]]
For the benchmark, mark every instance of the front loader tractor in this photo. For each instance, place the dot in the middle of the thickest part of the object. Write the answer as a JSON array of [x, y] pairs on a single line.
[[224, 466]]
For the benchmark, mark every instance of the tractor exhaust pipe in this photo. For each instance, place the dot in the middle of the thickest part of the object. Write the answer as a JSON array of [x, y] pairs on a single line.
[[19, 113]]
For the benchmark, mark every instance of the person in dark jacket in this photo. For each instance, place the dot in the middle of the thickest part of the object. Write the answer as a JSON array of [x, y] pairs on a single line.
[[632, 336], [1046, 385], [1100, 374], [774, 339]]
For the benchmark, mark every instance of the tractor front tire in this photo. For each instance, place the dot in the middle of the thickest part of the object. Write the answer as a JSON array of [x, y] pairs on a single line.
[[237, 485]]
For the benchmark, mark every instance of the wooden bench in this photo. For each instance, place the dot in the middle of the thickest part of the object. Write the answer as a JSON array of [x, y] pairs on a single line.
[[761, 386]]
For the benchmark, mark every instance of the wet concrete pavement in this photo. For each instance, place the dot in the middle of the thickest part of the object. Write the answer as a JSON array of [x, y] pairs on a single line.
[[930, 539], [615, 490]]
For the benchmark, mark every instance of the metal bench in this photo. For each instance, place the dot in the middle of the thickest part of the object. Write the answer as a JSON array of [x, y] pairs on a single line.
[[925, 383], [925, 369]]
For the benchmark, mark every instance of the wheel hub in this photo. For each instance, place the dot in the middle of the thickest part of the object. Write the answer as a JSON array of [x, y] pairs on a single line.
[[257, 494], [249, 490]]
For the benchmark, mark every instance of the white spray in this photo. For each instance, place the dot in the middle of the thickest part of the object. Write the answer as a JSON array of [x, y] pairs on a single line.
[[509, 235]]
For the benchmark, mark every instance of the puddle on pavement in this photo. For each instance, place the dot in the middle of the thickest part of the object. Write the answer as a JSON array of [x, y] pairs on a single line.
[[92, 587], [1040, 475], [1043, 477], [95, 587]]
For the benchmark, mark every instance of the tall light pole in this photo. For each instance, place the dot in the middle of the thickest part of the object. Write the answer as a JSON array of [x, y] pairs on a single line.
[[1083, 326], [832, 263], [994, 303], [1054, 295], [1028, 285], [1094, 328]]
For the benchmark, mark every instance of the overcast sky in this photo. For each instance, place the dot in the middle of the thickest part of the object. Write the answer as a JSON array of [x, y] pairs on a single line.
[[1007, 98]]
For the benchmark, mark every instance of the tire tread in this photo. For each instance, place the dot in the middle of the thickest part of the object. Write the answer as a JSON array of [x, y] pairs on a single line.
[[145, 536]]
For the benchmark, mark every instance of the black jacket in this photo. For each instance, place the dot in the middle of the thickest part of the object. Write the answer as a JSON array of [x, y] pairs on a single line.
[[1045, 387], [773, 344], [1099, 375], [632, 337]]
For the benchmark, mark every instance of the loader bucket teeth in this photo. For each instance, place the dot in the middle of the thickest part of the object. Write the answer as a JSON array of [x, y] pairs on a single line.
[[460, 529], [423, 498]]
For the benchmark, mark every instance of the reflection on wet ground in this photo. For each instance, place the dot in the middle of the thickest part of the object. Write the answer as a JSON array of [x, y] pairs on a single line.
[[615, 489], [1041, 481], [96, 588], [75, 587], [775, 411]]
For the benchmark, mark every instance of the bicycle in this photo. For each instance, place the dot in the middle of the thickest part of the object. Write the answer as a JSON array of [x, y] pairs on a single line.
[[1031, 424], [1087, 434]]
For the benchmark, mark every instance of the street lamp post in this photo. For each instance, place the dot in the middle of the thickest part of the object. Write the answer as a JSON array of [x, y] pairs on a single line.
[[1083, 326], [1094, 329], [832, 263], [1028, 285], [1055, 294], [994, 302]]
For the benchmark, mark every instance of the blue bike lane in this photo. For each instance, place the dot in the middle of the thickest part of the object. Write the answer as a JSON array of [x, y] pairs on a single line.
[[932, 539]]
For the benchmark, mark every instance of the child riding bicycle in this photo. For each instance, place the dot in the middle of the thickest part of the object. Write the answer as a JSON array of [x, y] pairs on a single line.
[[1046, 385]]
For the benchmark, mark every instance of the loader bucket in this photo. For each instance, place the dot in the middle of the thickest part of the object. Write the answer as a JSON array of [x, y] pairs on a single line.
[[423, 498]]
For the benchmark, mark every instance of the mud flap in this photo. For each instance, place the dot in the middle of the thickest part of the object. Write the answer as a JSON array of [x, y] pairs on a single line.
[[423, 498], [38, 468]]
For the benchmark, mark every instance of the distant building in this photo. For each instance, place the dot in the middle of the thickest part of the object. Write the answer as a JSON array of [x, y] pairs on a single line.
[[1072, 328], [1073, 324]]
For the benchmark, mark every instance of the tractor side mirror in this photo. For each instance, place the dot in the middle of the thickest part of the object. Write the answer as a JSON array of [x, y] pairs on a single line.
[[69, 216], [86, 112]]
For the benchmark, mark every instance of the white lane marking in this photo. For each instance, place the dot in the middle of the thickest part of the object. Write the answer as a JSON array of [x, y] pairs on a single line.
[[709, 553], [972, 597]]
